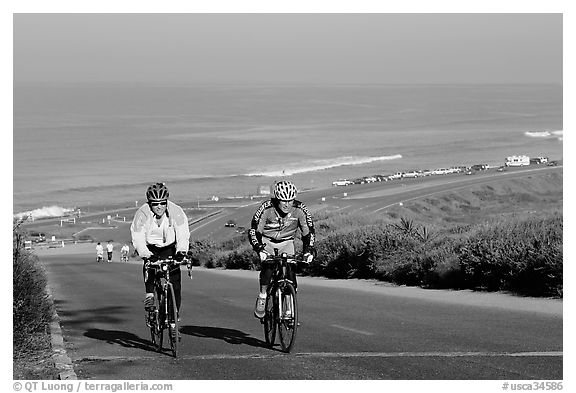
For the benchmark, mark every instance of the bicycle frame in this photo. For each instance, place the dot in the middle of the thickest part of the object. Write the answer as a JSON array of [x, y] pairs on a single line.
[[165, 316], [280, 290], [280, 275]]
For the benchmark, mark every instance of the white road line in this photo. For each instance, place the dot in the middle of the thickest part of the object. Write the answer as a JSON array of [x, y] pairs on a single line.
[[206, 223], [353, 330], [330, 355]]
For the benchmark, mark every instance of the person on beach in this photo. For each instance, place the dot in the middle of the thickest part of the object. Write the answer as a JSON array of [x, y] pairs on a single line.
[[274, 225], [109, 249], [99, 252], [159, 231]]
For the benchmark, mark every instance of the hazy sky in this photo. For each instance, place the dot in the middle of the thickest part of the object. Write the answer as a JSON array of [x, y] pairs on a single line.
[[288, 48]]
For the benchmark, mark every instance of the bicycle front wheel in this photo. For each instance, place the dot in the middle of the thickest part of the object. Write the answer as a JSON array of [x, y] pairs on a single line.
[[156, 322], [270, 319], [173, 321], [288, 318]]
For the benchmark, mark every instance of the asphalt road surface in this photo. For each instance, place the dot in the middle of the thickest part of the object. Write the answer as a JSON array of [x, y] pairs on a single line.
[[350, 329]]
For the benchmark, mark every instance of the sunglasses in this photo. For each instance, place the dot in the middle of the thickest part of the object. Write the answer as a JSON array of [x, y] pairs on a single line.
[[164, 203]]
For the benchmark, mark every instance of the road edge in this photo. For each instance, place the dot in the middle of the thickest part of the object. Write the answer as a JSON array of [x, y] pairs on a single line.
[[62, 361]]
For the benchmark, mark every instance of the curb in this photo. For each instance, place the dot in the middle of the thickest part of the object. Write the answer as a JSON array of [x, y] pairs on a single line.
[[62, 361]]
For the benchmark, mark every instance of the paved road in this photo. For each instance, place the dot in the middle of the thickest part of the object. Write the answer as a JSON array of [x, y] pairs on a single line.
[[350, 329]]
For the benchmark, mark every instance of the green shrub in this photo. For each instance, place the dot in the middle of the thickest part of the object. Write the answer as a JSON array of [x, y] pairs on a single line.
[[31, 306], [522, 254], [241, 258], [203, 252]]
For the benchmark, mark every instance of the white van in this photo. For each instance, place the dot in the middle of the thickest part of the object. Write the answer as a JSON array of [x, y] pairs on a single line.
[[517, 161]]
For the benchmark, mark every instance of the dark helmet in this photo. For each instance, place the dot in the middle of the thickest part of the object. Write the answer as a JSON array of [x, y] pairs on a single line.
[[285, 191], [157, 192]]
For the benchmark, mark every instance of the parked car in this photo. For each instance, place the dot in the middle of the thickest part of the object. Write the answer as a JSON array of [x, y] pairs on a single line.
[[538, 160], [411, 174], [230, 224], [342, 182], [37, 237], [553, 163], [441, 171], [480, 167]]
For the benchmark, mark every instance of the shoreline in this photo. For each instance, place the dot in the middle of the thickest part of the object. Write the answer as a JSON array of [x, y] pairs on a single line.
[[210, 202]]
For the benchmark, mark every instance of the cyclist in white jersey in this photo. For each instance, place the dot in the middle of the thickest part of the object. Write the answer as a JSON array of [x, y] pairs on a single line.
[[160, 230]]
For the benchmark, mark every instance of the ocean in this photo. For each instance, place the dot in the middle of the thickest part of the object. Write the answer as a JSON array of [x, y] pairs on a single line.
[[91, 145]]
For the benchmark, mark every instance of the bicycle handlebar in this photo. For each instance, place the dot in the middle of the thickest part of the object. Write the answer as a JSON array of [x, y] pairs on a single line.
[[174, 264], [170, 261], [279, 258]]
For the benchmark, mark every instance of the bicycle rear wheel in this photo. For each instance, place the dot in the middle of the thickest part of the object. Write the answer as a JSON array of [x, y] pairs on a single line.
[[288, 324], [270, 319], [172, 321]]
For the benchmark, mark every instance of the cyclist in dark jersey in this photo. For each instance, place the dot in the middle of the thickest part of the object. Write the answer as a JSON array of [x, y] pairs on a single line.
[[274, 225]]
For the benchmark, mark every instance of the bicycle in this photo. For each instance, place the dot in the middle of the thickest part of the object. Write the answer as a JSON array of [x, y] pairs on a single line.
[[281, 310], [99, 258], [164, 316], [124, 257]]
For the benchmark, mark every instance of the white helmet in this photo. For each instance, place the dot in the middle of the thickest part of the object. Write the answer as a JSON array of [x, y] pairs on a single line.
[[285, 191]]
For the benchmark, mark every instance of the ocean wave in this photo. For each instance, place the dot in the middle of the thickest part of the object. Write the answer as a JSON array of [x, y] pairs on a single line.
[[317, 165], [45, 212], [546, 134]]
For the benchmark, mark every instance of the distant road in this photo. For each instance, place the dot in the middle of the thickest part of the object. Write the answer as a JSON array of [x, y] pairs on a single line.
[[351, 329]]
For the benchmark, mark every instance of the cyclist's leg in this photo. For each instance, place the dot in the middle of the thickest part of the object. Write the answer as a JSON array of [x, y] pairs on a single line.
[[176, 280], [292, 275], [148, 276], [148, 279], [265, 277]]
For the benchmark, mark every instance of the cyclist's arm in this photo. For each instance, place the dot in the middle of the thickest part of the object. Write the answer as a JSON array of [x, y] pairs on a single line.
[[138, 231], [182, 230], [257, 228], [306, 225]]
